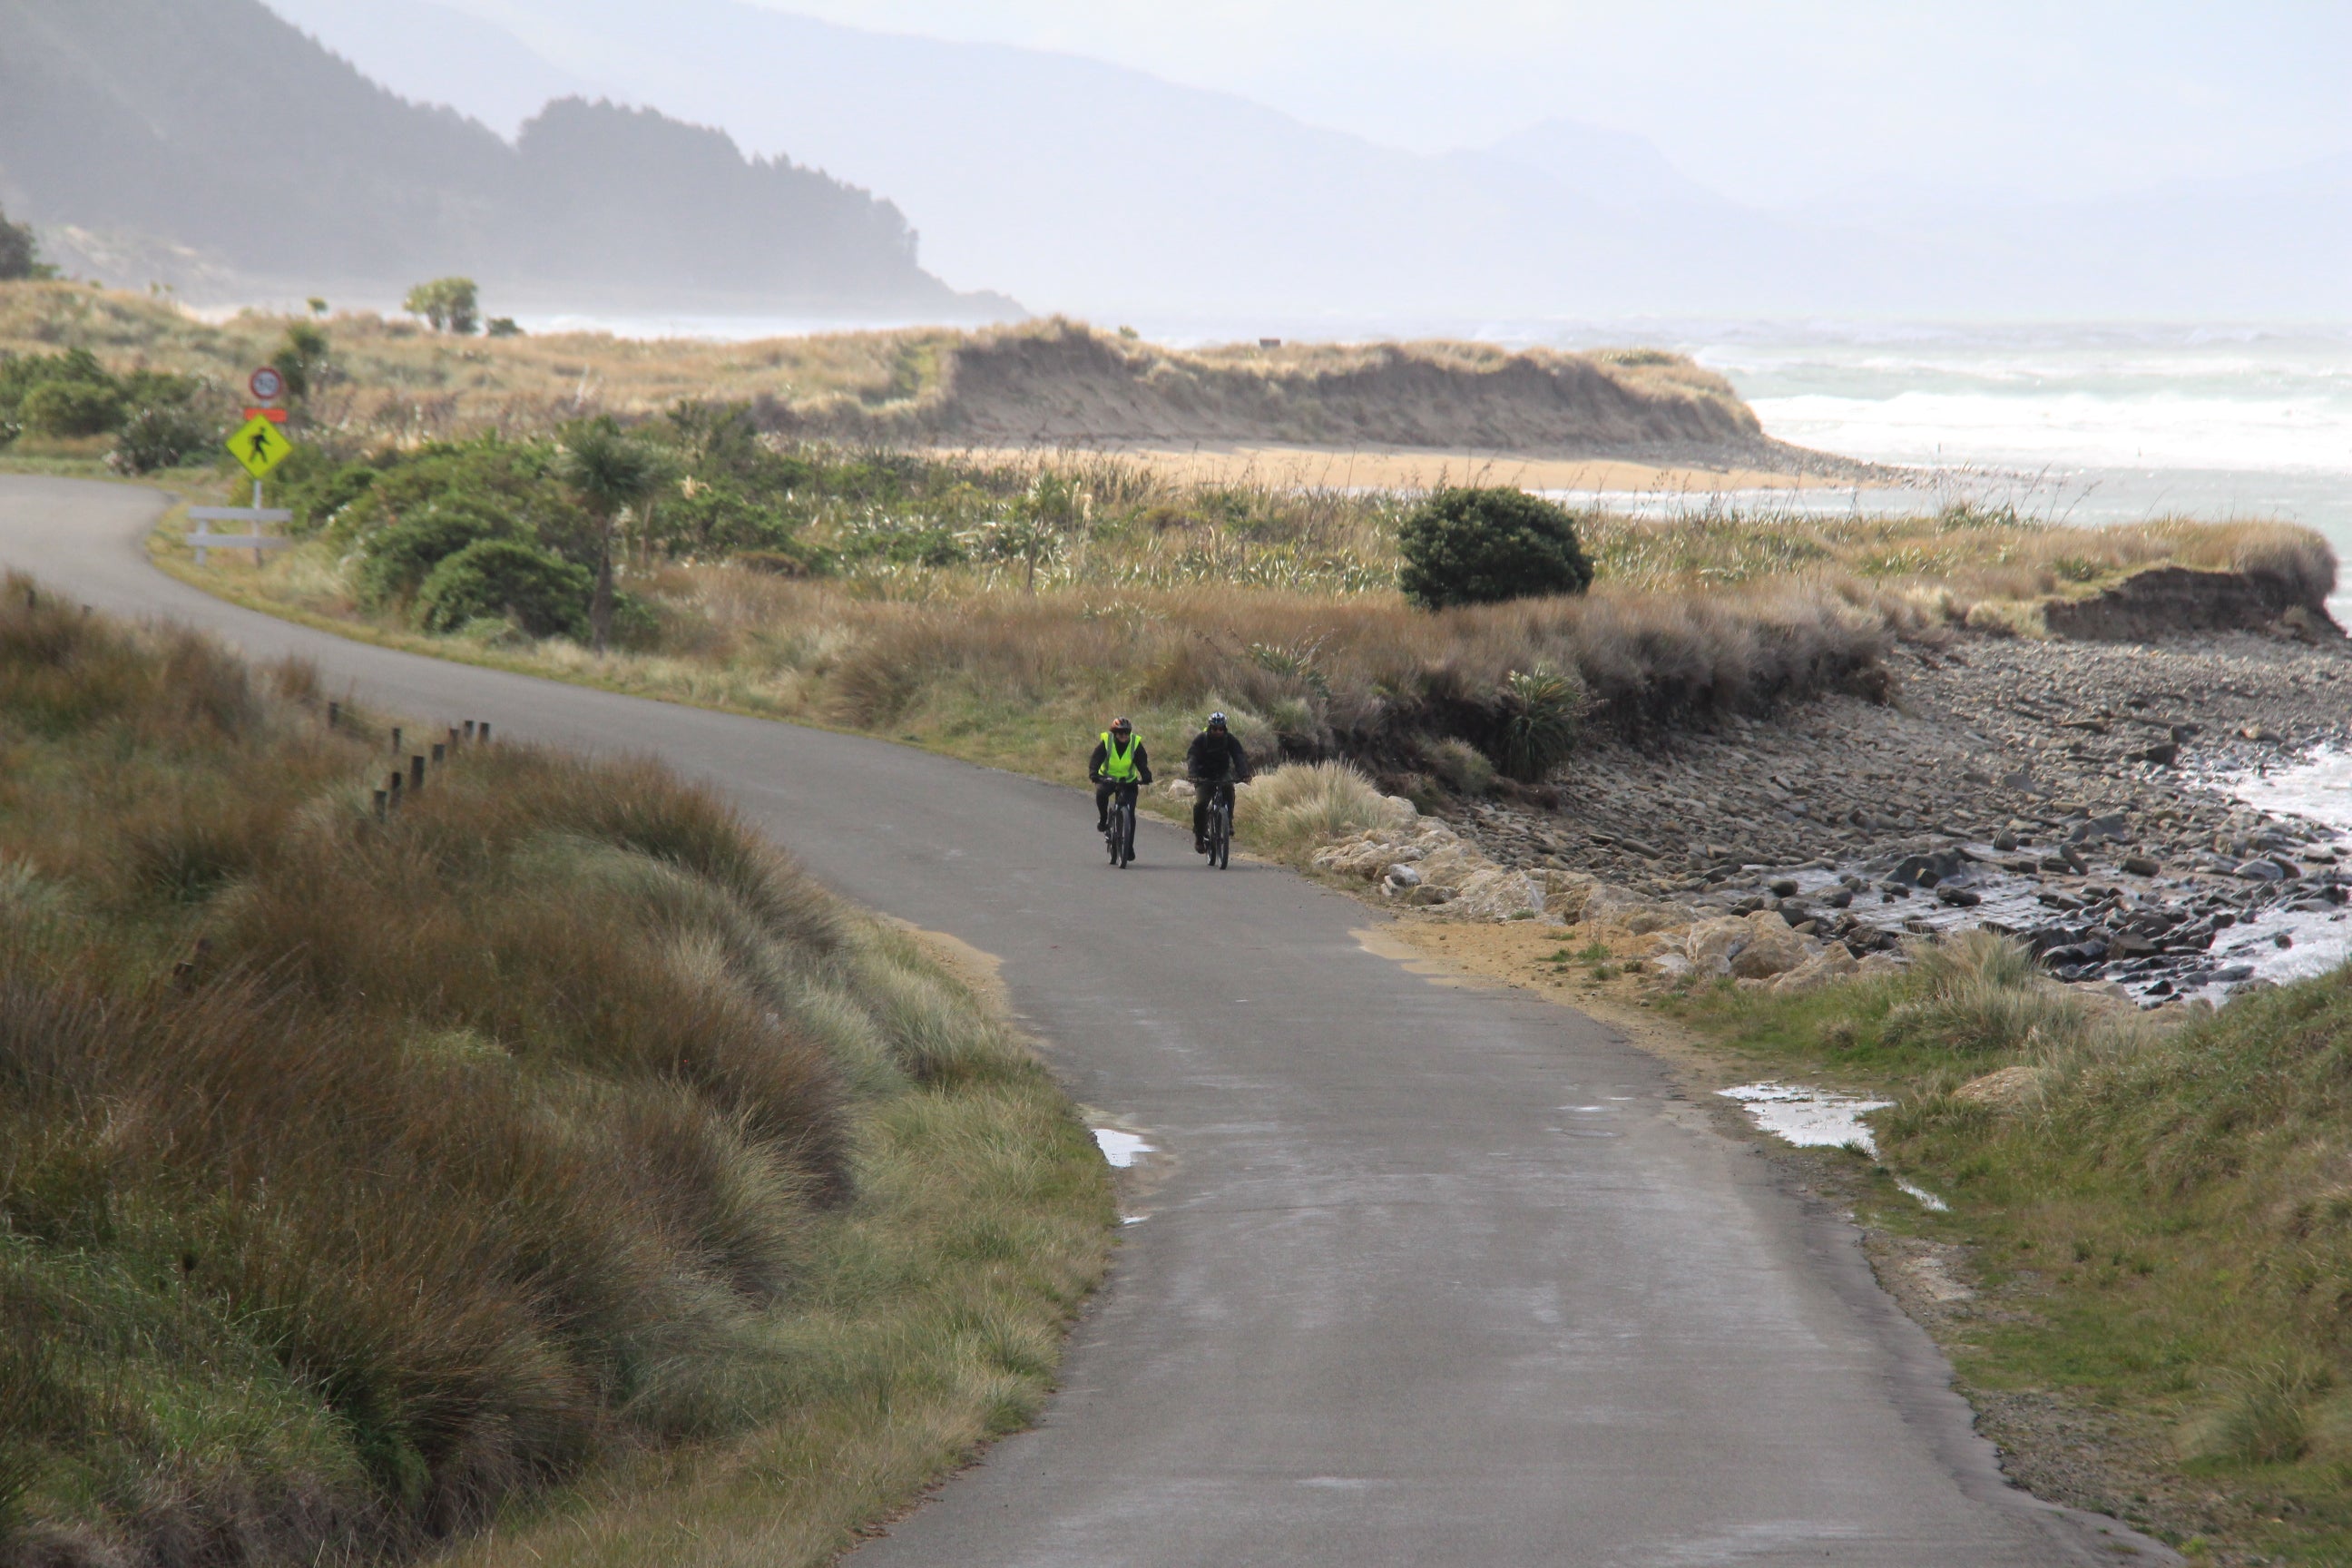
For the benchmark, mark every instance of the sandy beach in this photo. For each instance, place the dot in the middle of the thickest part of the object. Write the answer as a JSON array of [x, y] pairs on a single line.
[[1319, 468]]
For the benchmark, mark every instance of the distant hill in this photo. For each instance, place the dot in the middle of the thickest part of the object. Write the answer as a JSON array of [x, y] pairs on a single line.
[[215, 131], [1055, 383], [1085, 187]]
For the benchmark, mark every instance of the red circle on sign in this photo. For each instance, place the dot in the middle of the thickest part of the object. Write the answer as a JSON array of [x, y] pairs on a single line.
[[267, 383]]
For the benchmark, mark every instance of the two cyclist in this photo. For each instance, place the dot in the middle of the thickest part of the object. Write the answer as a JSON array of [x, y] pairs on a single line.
[[1214, 762]]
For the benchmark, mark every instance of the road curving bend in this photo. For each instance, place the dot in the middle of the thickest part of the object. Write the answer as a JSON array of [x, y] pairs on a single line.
[[1431, 1276]]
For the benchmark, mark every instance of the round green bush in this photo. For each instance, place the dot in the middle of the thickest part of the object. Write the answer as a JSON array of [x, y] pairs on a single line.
[[1484, 546], [536, 589], [396, 560], [70, 408], [159, 435]]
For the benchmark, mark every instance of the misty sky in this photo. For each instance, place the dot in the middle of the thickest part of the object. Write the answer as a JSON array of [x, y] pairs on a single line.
[[1769, 102]]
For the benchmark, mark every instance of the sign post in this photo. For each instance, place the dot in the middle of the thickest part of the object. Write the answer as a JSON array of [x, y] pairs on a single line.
[[258, 446]]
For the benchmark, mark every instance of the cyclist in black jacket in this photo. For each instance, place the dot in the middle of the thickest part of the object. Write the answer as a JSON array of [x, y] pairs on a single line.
[[1119, 763], [1216, 762]]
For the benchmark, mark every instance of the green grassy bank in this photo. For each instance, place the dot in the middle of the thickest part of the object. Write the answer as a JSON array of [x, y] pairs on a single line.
[[550, 1156], [2154, 1220]]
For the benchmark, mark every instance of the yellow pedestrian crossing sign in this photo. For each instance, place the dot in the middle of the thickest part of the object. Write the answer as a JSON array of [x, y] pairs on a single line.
[[260, 447]]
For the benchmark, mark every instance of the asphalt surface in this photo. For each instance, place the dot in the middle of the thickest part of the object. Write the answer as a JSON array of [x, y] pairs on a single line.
[[1430, 1275]]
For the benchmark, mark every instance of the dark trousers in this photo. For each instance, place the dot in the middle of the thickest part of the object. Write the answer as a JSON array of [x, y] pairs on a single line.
[[1207, 793], [1102, 796]]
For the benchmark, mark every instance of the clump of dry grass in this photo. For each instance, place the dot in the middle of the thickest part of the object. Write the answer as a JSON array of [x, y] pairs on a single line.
[[1308, 804], [356, 1175]]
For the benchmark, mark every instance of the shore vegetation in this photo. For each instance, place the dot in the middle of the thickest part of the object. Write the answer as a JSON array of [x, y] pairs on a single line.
[[997, 608]]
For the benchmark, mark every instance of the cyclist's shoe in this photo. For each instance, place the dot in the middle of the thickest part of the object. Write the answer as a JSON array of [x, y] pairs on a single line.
[[1102, 823], [1200, 847]]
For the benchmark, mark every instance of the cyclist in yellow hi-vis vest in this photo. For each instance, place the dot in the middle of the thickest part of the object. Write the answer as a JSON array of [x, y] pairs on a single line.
[[1119, 763]]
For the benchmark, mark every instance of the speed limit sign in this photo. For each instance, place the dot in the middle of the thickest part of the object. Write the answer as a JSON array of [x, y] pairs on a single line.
[[267, 383]]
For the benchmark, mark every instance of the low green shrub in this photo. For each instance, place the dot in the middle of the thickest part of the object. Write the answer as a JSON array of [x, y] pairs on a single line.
[[71, 408], [160, 436], [396, 561], [538, 589], [1467, 546]]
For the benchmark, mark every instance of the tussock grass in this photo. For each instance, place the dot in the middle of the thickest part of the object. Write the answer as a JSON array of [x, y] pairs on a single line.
[[2162, 1224], [1364, 677], [361, 1180], [1295, 808], [1315, 663], [1954, 559], [1981, 993]]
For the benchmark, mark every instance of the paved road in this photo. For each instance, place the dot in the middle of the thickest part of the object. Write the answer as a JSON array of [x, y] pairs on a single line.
[[1438, 1276]]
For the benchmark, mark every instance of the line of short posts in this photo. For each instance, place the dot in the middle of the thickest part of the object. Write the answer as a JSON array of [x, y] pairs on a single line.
[[398, 783]]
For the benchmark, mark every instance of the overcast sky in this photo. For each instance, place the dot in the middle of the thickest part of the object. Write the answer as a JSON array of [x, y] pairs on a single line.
[[1770, 103]]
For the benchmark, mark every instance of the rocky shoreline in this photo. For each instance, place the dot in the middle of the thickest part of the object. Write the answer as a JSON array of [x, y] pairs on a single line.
[[2080, 795]]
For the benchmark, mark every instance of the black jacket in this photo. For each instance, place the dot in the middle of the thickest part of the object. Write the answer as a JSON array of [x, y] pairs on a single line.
[[1102, 754], [1216, 758]]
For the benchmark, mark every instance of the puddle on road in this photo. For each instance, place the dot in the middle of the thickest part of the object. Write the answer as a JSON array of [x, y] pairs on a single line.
[[1820, 1119], [1142, 1165], [1119, 1149], [1809, 1118]]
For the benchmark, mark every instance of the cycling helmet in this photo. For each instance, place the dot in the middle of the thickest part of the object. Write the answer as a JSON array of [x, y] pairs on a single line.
[[1216, 721], [1119, 726]]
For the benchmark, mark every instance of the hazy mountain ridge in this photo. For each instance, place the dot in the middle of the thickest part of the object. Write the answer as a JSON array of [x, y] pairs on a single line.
[[218, 126], [1087, 186]]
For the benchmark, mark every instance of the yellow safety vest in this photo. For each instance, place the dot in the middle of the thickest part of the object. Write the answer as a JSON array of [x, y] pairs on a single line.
[[1120, 766]]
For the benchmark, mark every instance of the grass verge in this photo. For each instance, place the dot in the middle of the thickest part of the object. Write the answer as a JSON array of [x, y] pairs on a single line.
[[2151, 1227], [546, 1155]]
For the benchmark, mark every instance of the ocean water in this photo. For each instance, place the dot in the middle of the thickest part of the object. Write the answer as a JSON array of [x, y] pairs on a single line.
[[2085, 423]]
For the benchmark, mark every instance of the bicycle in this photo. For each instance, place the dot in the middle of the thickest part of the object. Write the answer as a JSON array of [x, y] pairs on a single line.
[[1220, 825], [1119, 837]]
